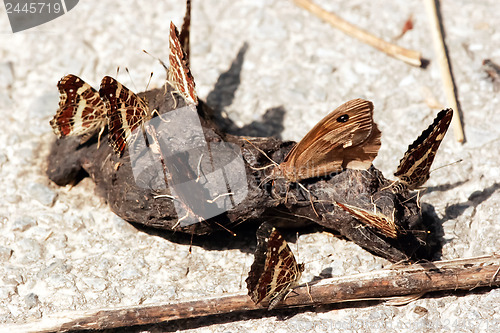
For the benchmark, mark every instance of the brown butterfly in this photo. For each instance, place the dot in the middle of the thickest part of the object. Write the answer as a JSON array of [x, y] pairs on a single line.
[[345, 138], [414, 167], [275, 270], [126, 112], [179, 75], [383, 224], [81, 110]]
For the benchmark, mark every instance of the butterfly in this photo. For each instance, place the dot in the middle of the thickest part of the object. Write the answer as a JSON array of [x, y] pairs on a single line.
[[383, 224], [345, 138], [81, 110], [179, 75], [275, 270], [127, 111], [414, 167]]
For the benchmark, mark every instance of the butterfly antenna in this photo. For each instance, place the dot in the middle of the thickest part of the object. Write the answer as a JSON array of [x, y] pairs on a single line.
[[240, 222], [117, 70], [190, 247], [318, 259], [157, 58], [223, 227], [262, 152], [149, 81], [446, 165], [297, 243], [130, 76], [310, 198]]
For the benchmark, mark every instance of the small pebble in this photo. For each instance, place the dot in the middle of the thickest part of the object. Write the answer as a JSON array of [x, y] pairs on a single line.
[[31, 300], [3, 159], [7, 74], [29, 249], [23, 223], [5, 253], [96, 284], [42, 194], [130, 274]]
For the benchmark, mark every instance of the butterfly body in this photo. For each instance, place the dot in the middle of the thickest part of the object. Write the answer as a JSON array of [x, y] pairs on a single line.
[[345, 138]]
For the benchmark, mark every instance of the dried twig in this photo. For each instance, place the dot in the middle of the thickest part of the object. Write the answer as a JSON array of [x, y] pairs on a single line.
[[409, 56], [444, 65], [460, 274]]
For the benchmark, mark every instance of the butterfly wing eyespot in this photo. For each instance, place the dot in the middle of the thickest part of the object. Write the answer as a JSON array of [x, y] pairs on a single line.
[[346, 138], [343, 118]]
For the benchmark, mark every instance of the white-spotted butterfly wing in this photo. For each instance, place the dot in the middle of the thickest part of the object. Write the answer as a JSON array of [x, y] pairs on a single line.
[[275, 270], [126, 112], [414, 168], [81, 110], [179, 75]]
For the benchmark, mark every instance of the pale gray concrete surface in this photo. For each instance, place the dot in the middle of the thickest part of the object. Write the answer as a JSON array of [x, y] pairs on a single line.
[[62, 248]]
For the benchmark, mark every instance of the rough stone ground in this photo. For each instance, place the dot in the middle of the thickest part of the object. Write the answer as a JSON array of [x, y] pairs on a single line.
[[62, 248]]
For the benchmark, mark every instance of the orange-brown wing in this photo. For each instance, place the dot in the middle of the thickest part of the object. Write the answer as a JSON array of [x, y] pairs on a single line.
[[383, 224], [345, 138]]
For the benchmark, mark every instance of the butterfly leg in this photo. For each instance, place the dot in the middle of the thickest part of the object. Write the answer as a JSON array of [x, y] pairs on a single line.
[[418, 198], [179, 220], [394, 183], [278, 298], [261, 168], [310, 198], [309, 292], [99, 137], [219, 196], [164, 196], [198, 169]]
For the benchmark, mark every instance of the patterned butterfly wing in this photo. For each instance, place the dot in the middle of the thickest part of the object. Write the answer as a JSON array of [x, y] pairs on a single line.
[[81, 110], [414, 167], [345, 138], [274, 270], [126, 111], [380, 222], [179, 75]]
